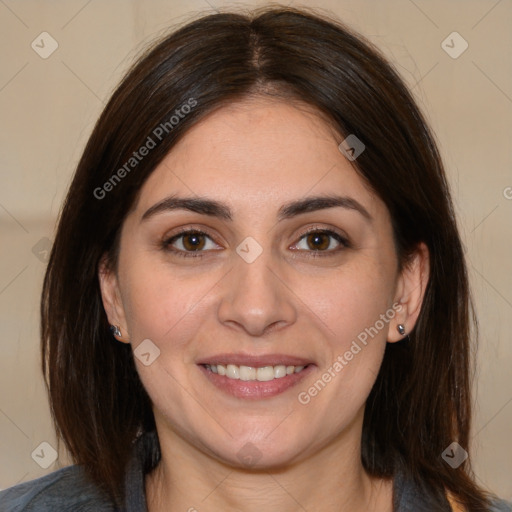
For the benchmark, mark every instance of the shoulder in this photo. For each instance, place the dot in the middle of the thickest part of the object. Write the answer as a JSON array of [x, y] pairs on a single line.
[[501, 506], [413, 496], [64, 490]]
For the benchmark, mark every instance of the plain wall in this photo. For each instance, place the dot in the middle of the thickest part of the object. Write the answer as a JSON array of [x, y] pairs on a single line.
[[48, 108]]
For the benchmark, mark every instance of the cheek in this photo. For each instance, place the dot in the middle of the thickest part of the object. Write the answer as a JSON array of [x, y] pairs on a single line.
[[157, 301], [354, 305], [163, 308], [353, 352], [351, 300]]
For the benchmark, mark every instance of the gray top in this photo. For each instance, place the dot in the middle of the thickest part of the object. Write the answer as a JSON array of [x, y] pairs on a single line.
[[68, 490]]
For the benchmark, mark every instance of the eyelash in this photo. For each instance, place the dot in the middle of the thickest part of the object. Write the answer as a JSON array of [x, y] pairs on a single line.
[[166, 244]]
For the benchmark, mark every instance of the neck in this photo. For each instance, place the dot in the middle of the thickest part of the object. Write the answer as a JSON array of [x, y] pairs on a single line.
[[333, 479]]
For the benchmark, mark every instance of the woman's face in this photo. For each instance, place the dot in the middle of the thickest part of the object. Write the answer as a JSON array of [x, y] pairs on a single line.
[[257, 292]]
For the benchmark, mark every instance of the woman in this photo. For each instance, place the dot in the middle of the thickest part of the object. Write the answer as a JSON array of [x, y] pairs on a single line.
[[257, 296]]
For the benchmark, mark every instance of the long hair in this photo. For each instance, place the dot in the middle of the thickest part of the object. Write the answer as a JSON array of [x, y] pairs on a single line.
[[420, 402]]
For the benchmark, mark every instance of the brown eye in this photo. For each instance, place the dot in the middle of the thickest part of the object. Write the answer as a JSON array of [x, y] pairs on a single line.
[[193, 241], [322, 241], [318, 241]]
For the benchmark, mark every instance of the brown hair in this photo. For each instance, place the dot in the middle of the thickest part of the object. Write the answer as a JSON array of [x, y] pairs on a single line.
[[420, 402]]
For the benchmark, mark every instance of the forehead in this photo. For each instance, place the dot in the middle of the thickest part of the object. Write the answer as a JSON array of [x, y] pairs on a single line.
[[254, 152]]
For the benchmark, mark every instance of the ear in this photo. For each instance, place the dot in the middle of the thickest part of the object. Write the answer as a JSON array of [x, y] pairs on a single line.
[[410, 291], [111, 298]]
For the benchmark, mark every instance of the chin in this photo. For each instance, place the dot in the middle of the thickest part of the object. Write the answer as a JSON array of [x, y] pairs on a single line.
[[262, 454]]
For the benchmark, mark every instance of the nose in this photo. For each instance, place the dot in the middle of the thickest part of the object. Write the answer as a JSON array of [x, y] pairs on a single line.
[[255, 297]]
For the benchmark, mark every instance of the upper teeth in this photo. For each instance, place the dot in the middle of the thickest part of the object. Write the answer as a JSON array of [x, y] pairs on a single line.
[[265, 373]]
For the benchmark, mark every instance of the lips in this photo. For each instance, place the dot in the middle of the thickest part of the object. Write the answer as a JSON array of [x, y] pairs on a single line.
[[255, 360], [252, 376]]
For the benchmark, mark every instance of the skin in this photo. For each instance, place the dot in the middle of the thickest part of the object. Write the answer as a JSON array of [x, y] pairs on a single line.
[[255, 156]]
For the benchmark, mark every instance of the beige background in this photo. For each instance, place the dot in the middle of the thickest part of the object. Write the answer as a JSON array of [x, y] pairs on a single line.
[[50, 105]]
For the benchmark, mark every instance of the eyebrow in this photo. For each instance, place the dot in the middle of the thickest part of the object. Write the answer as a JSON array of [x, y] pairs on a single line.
[[213, 208]]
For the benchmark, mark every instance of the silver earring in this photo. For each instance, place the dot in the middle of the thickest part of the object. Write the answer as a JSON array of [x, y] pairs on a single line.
[[401, 329], [114, 329]]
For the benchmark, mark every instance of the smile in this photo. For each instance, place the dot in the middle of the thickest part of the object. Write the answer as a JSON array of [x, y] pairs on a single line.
[[249, 373], [255, 382]]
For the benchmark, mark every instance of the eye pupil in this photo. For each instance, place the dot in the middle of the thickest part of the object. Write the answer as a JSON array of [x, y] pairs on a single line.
[[316, 237], [197, 241]]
